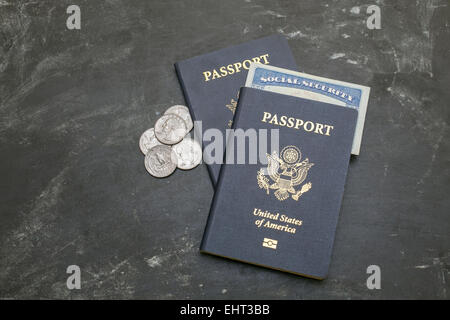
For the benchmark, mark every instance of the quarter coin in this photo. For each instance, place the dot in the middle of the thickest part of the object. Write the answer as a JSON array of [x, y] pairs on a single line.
[[148, 140], [161, 161], [170, 129], [188, 152], [182, 112]]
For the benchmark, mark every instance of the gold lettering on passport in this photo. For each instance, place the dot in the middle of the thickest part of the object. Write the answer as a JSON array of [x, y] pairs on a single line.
[[233, 68], [276, 221], [296, 123], [286, 172], [232, 107]]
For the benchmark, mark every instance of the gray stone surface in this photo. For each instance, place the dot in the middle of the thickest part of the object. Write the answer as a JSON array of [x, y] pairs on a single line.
[[74, 189]]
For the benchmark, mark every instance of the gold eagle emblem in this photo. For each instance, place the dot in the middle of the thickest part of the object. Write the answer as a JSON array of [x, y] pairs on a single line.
[[286, 173]]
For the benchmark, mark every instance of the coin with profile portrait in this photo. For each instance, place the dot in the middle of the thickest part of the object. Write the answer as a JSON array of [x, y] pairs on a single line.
[[182, 112], [188, 152], [170, 129]]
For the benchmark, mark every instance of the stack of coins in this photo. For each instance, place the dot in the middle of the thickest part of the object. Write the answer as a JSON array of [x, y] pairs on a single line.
[[167, 147]]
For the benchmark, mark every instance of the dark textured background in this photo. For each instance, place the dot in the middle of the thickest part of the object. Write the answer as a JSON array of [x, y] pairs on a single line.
[[73, 185]]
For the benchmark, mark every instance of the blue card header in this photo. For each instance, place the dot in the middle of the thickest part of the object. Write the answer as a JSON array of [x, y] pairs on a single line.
[[350, 96]]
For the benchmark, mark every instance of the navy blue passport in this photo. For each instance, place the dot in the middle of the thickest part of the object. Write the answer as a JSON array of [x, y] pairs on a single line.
[[281, 211], [211, 84]]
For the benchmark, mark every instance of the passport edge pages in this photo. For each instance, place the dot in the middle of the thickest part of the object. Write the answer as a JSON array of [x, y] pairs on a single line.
[[205, 249], [286, 55]]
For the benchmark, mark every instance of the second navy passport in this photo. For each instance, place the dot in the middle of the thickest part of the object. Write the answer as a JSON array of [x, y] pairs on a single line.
[[211, 84], [283, 214]]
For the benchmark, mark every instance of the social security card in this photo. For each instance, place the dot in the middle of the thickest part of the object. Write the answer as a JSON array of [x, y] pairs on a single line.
[[311, 87]]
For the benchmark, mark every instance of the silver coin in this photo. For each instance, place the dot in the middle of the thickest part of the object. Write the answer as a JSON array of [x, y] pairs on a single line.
[[182, 112], [148, 140], [161, 161], [188, 152], [170, 129]]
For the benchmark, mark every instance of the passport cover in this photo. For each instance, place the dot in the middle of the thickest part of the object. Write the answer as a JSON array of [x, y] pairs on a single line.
[[286, 219], [211, 83]]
